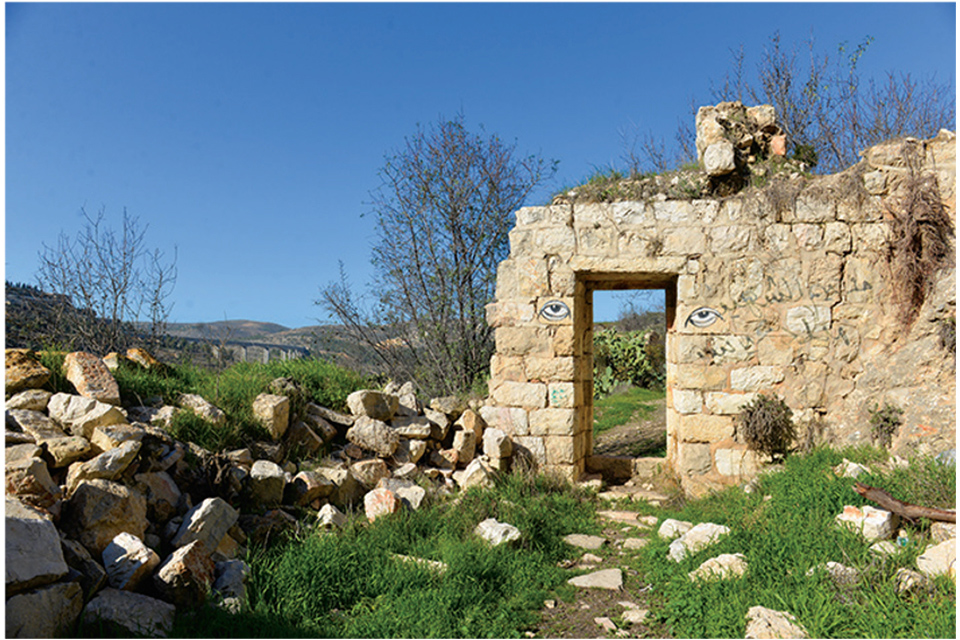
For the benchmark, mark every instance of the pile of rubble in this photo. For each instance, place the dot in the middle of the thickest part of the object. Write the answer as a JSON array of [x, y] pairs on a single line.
[[110, 520]]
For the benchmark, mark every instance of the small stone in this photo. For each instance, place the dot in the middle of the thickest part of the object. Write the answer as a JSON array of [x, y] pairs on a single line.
[[884, 549], [267, 481], [840, 574], [46, 612], [872, 523], [30, 400], [380, 502], [673, 528], [719, 159], [635, 616], [128, 561], [497, 533], [633, 544], [369, 472], [611, 579], [33, 551], [697, 538], [207, 522], [606, 624], [550, 604], [329, 517], [187, 575], [724, 566], [202, 408], [943, 531], [584, 541], [589, 558], [24, 371], [909, 580], [763, 623], [939, 559], [373, 435], [373, 404], [273, 412]]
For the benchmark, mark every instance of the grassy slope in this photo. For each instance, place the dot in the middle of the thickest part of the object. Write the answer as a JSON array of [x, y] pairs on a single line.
[[618, 408]]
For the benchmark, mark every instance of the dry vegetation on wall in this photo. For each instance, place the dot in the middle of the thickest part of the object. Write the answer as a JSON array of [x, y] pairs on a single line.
[[921, 236]]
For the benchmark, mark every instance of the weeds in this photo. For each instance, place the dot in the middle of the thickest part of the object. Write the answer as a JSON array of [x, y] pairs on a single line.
[[766, 425], [884, 423]]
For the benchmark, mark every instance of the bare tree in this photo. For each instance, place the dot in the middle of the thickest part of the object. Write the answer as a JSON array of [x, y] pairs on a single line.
[[108, 281], [442, 214]]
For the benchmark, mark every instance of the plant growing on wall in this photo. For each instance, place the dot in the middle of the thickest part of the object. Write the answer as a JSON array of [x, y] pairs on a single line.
[[766, 425], [884, 423]]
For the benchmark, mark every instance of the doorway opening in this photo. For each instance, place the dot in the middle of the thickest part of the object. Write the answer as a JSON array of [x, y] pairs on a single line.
[[625, 349]]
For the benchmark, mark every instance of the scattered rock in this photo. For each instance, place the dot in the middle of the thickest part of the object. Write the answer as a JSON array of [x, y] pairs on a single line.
[[273, 412], [611, 579], [266, 483], [329, 517], [186, 576], [373, 404], [872, 523], [133, 613], [82, 415], [939, 559], [477, 474], [697, 538], [380, 502], [606, 624], [633, 544], [584, 541], [128, 561], [46, 612], [635, 616], [100, 509], [29, 400], [373, 435], [207, 522], [33, 553], [724, 566], [909, 580], [840, 574], [202, 408], [24, 371], [672, 528], [370, 472], [763, 623], [497, 533], [435, 566], [91, 377], [107, 465], [943, 531]]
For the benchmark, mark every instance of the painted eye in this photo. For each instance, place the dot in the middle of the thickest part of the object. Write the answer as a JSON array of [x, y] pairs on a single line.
[[554, 311], [703, 317]]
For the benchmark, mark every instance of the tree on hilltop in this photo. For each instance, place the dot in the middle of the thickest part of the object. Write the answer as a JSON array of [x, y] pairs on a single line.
[[442, 218]]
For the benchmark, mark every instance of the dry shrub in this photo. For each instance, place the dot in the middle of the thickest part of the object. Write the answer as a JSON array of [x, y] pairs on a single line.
[[921, 237], [813, 432], [781, 194], [766, 425]]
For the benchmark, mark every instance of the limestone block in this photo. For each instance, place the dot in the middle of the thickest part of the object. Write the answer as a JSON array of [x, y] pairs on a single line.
[[732, 348], [562, 280], [477, 474], [746, 279], [837, 238], [555, 215], [808, 319], [13, 453], [373, 404], [683, 241], [329, 517], [90, 377], [161, 492], [496, 444], [560, 240], [207, 522], [560, 395], [511, 420], [597, 242], [780, 238], [33, 553], [943, 531], [24, 371], [632, 213], [705, 428], [809, 236], [379, 503], [940, 559], [497, 533], [128, 561], [34, 423], [522, 341], [187, 575], [727, 404], [202, 408], [47, 612], [755, 378], [723, 567], [30, 400], [812, 208], [559, 450], [465, 444], [726, 239], [100, 509], [694, 458], [719, 159], [530, 447], [551, 422], [29, 480], [671, 528], [563, 343], [674, 213], [699, 537], [133, 613], [705, 211], [686, 348], [776, 349], [763, 623], [106, 437], [108, 465], [520, 394], [510, 313], [687, 400], [521, 242], [373, 435], [82, 415], [417, 427], [686, 287], [266, 483], [700, 376], [872, 523], [736, 462], [273, 412]]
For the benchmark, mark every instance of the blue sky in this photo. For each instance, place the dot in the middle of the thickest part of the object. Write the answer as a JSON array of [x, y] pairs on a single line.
[[249, 135]]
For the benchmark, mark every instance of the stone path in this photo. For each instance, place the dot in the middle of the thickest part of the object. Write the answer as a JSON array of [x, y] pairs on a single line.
[[611, 599]]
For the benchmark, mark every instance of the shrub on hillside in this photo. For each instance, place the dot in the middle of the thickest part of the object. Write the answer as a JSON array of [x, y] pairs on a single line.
[[766, 425]]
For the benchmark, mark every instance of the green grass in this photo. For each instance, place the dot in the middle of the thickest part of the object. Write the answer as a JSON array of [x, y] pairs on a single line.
[[618, 408], [782, 538], [349, 585]]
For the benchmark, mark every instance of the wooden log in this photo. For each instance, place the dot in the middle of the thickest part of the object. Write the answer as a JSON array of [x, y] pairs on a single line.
[[903, 509]]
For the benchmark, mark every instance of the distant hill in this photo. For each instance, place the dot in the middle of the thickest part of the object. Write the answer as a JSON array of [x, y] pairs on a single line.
[[226, 329]]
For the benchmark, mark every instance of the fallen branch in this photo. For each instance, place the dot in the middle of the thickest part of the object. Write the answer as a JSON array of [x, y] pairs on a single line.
[[903, 509]]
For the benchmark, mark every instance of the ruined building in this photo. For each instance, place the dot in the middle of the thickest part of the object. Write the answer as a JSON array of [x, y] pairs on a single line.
[[829, 291]]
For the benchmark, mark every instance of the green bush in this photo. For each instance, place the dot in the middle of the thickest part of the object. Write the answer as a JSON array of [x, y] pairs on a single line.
[[766, 425], [635, 357]]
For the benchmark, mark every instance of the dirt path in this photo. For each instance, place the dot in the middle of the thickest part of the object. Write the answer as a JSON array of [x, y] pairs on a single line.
[[636, 438], [577, 617]]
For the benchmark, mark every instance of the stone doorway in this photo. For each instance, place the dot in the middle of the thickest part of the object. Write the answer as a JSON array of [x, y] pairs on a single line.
[[616, 467]]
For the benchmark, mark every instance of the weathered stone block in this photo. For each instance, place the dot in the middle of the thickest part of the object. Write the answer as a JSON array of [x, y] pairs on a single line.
[[736, 462], [755, 378], [776, 349], [705, 428], [91, 378], [732, 348], [273, 412], [694, 458], [522, 341], [551, 422], [727, 239], [700, 376], [683, 241], [511, 420], [46, 612], [510, 313], [809, 236], [808, 319], [33, 553], [24, 371], [722, 403], [520, 394], [687, 400]]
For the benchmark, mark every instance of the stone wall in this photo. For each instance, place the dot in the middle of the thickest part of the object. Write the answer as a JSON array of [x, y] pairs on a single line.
[[784, 289]]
